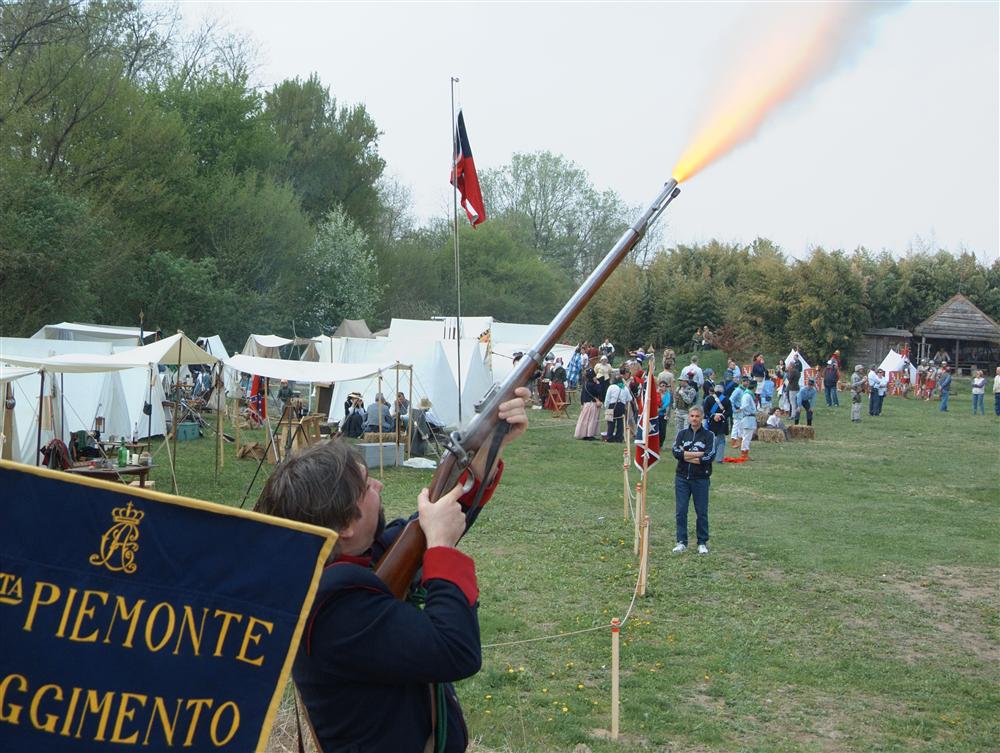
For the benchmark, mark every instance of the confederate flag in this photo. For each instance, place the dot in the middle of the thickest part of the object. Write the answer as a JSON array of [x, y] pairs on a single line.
[[464, 178], [652, 447]]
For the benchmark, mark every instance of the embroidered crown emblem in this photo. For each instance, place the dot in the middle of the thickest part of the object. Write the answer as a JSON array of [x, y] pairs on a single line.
[[119, 543], [127, 514]]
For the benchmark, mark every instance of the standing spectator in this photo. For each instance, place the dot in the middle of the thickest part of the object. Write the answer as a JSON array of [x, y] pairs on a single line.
[[996, 392], [694, 448], [575, 368], [793, 373], [732, 371], [944, 385], [590, 411], [615, 401], [718, 415], [831, 375], [807, 399], [758, 372], [694, 368], [745, 415], [685, 396], [666, 376], [767, 392], [878, 386], [708, 386], [736, 401], [979, 393], [607, 349], [857, 389], [666, 402], [603, 371], [872, 383]]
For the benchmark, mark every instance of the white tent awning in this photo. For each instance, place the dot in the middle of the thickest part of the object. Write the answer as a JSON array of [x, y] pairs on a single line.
[[170, 350], [308, 371]]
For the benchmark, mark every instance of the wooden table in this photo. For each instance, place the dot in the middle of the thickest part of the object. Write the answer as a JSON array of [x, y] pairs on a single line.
[[113, 473]]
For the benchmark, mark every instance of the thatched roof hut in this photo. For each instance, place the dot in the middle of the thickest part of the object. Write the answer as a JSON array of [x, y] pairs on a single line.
[[961, 330]]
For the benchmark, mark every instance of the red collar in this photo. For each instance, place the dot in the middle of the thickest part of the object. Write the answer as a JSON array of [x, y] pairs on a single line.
[[364, 560]]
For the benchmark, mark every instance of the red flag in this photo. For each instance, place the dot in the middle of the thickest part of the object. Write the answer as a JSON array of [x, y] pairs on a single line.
[[463, 176]]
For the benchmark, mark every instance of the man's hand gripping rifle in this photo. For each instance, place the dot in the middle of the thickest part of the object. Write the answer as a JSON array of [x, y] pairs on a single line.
[[486, 432]]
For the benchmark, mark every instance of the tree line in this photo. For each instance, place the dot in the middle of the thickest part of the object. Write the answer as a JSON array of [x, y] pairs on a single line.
[[142, 173]]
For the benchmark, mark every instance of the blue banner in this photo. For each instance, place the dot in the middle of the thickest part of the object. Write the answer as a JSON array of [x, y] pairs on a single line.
[[134, 619]]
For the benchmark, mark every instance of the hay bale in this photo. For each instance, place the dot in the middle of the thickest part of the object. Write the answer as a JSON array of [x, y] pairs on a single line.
[[770, 435], [802, 432], [762, 418], [376, 438]]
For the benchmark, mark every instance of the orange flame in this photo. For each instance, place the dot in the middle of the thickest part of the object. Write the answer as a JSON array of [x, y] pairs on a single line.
[[795, 51]]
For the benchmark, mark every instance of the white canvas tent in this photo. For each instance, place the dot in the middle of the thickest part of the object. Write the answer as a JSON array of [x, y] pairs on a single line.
[[83, 380], [895, 362], [265, 346], [93, 332], [802, 360]]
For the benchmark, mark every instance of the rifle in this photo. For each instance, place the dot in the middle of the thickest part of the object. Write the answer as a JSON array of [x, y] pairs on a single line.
[[403, 559]]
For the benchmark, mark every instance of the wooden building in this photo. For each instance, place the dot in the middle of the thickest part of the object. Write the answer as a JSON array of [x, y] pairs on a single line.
[[876, 344], [961, 330]]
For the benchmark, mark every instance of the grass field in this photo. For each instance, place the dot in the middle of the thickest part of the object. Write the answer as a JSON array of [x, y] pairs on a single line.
[[849, 603]]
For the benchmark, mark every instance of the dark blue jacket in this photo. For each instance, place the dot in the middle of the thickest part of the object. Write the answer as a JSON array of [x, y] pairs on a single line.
[[368, 663], [694, 441]]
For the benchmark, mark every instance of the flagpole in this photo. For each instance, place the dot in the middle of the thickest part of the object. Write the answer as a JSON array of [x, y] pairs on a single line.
[[458, 267]]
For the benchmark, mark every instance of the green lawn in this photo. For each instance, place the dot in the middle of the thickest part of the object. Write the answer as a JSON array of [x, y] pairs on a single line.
[[850, 602]]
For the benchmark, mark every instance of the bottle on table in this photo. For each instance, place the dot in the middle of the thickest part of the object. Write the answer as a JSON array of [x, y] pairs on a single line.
[[122, 454]]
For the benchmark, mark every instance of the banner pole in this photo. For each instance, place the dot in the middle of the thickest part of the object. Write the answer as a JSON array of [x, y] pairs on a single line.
[[458, 264]]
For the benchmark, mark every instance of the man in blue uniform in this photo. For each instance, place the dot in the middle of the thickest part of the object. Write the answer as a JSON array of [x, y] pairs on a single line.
[[374, 672]]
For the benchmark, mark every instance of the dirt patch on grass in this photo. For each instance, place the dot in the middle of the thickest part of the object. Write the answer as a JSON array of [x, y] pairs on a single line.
[[957, 600]]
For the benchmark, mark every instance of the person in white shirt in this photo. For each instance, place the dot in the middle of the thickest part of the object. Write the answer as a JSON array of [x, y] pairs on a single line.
[[979, 394], [699, 375], [614, 410]]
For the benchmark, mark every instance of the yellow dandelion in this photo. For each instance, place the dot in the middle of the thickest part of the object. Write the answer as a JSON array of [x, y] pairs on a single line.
[[579, 686], [488, 697], [565, 709], [545, 690]]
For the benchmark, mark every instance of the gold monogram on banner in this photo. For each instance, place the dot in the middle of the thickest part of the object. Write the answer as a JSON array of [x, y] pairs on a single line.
[[120, 542]]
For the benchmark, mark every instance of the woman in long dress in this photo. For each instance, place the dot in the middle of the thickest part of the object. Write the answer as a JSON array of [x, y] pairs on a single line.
[[590, 413]]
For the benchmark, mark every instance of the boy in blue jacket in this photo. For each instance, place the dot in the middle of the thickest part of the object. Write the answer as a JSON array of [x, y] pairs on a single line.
[[374, 672]]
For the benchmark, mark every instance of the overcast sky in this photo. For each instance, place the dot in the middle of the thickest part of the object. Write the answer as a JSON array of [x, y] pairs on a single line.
[[900, 143]]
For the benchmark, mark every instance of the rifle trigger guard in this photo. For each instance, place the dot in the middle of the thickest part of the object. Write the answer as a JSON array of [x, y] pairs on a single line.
[[456, 449]]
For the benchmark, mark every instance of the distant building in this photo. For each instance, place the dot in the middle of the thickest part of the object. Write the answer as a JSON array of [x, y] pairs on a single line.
[[960, 329], [876, 344]]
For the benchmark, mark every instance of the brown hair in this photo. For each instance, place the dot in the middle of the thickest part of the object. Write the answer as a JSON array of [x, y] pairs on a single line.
[[321, 485]]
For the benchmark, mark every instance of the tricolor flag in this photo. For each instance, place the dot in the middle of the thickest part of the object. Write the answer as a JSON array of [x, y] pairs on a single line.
[[464, 178], [649, 407]]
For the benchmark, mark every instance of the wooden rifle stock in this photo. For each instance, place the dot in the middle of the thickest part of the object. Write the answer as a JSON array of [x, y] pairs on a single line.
[[403, 559]]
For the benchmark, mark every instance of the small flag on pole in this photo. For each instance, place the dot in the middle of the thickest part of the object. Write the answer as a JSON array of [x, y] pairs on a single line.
[[647, 449], [464, 178]]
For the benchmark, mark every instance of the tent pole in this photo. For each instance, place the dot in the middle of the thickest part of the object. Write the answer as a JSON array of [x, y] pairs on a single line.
[[378, 400], [62, 403], [177, 399], [409, 421], [8, 393], [149, 423], [267, 392], [395, 399], [41, 395], [218, 422]]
